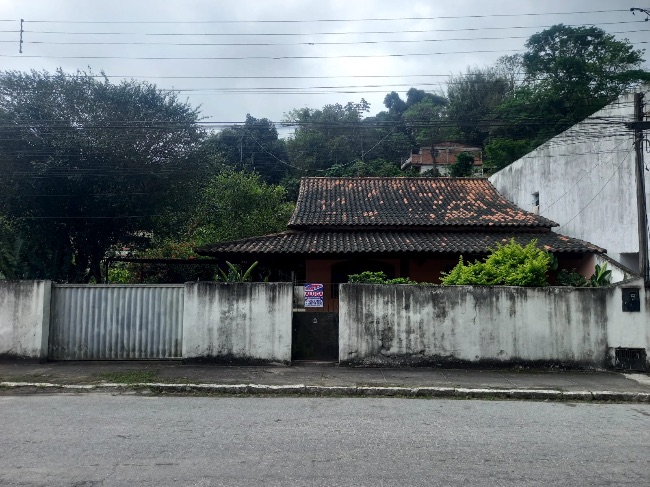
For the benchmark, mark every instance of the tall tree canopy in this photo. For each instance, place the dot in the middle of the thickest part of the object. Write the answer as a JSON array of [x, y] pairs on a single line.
[[580, 63], [88, 164], [253, 146], [570, 73], [328, 136]]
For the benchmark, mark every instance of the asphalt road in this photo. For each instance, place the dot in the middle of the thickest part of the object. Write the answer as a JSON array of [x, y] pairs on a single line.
[[127, 440]]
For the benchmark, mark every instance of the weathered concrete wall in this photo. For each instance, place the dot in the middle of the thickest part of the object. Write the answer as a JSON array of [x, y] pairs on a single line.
[[625, 329], [24, 319], [586, 181], [415, 324], [241, 322]]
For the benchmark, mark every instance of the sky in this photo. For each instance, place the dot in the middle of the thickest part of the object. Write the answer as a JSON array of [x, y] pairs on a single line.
[[267, 57]]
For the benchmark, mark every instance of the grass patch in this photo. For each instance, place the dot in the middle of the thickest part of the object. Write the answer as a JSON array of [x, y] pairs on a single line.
[[129, 376]]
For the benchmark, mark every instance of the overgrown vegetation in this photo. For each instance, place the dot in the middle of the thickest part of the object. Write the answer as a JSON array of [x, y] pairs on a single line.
[[236, 273], [368, 277], [129, 376], [507, 265], [602, 276], [77, 186]]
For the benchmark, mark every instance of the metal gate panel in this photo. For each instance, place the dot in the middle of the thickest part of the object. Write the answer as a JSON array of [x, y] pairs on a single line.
[[116, 322]]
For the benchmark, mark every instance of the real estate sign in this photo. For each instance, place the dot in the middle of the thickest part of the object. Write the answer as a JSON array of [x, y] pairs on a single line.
[[313, 295]]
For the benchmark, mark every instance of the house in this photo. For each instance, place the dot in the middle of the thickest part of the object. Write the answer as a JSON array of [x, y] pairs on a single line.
[[584, 179], [405, 227], [442, 156]]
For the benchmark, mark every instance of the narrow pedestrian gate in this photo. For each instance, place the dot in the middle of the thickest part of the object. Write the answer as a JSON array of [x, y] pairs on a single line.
[[116, 322]]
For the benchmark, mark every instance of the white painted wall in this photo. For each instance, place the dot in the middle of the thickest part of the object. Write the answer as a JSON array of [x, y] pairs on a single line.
[[586, 181], [239, 321], [412, 324], [629, 330], [24, 319]]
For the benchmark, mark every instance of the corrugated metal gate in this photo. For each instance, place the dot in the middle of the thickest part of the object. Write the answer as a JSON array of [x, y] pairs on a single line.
[[116, 322]]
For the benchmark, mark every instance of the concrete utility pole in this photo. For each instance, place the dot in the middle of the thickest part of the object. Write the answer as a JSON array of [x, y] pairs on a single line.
[[638, 125]]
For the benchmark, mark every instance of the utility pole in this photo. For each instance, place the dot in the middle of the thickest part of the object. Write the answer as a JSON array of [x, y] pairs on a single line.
[[638, 125]]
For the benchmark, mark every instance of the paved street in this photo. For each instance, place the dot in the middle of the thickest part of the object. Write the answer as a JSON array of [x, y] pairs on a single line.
[[101, 439]]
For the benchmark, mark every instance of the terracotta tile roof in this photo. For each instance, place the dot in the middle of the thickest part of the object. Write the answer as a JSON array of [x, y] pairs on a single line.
[[406, 203], [311, 242]]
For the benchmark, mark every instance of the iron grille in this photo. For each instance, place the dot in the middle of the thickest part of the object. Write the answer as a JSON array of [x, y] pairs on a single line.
[[630, 359]]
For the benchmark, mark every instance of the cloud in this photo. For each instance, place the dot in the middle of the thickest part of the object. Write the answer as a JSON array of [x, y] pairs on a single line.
[[277, 66]]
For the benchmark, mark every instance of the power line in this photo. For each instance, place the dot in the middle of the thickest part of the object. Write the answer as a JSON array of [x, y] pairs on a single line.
[[599, 191], [302, 21], [307, 43], [303, 34], [275, 58]]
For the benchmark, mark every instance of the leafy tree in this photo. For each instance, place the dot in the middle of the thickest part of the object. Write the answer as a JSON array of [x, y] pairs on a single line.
[[254, 146], [331, 135], [473, 97], [237, 205], [10, 252], [570, 73], [500, 152], [377, 167], [464, 165], [424, 120], [396, 106], [509, 265], [580, 63], [167, 273], [88, 164], [232, 205]]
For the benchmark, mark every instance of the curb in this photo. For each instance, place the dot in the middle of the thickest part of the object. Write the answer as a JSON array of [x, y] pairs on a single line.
[[352, 391]]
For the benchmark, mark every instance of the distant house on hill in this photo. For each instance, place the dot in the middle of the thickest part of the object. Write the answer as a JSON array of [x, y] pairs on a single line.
[[405, 227], [442, 156]]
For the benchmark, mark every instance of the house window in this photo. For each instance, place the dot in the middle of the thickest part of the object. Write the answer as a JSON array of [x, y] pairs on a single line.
[[536, 198]]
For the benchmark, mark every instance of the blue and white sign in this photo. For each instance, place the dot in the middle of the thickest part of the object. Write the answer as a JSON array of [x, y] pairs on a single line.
[[314, 295]]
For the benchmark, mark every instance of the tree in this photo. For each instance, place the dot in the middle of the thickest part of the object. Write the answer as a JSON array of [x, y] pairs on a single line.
[[238, 205], [424, 118], [88, 165], [473, 97], [580, 63], [10, 252], [464, 165], [254, 146], [570, 73], [500, 152], [395, 104], [332, 135], [375, 167]]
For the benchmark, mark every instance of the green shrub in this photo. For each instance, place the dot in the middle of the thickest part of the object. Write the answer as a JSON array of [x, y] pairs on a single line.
[[601, 277], [368, 277], [570, 278], [507, 265]]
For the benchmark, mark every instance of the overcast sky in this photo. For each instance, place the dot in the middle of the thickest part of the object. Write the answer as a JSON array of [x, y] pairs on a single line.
[[266, 57]]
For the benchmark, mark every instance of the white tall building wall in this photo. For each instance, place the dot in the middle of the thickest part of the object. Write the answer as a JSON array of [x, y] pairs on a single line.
[[584, 179]]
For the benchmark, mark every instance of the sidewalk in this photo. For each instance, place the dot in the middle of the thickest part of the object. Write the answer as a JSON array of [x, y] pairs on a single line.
[[323, 379]]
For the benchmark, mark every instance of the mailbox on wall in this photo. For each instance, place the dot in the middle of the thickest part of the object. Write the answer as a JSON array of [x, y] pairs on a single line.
[[631, 299]]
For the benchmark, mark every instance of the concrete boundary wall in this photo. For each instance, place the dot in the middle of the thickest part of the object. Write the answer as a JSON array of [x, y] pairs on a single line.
[[24, 319], [237, 322], [402, 325]]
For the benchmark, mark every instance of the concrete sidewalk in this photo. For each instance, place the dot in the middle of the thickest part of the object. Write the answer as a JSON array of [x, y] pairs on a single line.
[[324, 379]]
